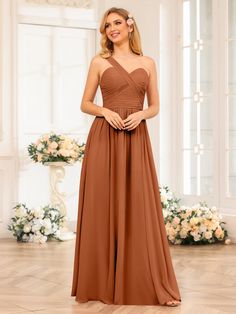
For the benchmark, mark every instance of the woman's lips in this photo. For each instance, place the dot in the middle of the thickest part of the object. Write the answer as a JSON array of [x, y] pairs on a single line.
[[114, 35]]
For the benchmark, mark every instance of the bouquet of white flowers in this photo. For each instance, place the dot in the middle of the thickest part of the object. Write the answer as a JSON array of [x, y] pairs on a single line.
[[52, 147], [168, 200], [197, 224], [36, 225]]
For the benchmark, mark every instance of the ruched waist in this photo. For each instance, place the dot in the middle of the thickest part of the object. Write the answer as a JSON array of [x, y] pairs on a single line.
[[123, 106], [123, 110]]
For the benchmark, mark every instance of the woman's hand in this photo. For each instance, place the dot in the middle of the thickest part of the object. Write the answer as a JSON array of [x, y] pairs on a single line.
[[113, 118], [133, 120]]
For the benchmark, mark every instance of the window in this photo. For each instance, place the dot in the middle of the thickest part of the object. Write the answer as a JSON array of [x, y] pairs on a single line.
[[198, 62], [52, 65]]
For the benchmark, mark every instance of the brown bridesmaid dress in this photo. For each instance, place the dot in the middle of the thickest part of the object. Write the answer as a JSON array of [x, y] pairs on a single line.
[[121, 254]]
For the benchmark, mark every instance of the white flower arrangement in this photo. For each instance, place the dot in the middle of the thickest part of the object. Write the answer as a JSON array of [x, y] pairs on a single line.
[[53, 148], [197, 224], [168, 199], [36, 225]]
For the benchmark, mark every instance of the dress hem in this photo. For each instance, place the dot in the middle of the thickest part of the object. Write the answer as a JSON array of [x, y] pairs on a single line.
[[113, 303]]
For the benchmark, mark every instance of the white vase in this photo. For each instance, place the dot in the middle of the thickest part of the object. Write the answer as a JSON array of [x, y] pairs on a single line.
[[57, 198]]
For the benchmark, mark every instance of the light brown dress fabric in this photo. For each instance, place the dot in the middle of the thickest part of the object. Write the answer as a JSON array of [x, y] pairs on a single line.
[[122, 254]]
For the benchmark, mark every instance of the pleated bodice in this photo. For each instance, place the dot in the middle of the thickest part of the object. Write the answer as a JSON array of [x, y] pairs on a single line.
[[122, 90]]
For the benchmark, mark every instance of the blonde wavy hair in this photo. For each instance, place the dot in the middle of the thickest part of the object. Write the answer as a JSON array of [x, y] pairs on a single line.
[[107, 45]]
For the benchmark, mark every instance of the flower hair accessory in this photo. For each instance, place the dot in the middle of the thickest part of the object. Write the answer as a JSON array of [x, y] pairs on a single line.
[[130, 20]]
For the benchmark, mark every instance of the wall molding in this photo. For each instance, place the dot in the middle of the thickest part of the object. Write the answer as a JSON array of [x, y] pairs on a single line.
[[68, 3]]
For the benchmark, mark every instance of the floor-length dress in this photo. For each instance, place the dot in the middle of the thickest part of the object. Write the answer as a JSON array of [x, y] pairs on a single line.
[[121, 254]]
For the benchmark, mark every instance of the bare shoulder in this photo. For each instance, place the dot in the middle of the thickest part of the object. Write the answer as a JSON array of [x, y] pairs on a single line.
[[149, 62], [97, 61]]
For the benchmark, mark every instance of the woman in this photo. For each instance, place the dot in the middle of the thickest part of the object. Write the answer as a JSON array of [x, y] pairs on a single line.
[[122, 254]]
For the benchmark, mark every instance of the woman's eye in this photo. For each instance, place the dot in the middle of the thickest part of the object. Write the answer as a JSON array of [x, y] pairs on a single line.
[[116, 24]]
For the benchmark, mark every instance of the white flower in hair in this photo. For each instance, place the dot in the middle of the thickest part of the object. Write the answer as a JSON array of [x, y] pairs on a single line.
[[130, 20]]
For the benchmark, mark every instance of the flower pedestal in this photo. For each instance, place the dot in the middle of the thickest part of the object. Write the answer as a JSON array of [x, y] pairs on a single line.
[[57, 198]]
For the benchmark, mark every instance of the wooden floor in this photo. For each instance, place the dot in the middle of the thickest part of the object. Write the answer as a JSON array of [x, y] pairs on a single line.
[[37, 278]]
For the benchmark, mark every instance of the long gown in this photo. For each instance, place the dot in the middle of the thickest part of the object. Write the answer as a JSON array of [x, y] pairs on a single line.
[[121, 253]]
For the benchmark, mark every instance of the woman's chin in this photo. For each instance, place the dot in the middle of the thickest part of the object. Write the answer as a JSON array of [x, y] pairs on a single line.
[[117, 40]]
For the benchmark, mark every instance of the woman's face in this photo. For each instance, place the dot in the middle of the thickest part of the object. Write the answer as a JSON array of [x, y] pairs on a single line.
[[116, 28]]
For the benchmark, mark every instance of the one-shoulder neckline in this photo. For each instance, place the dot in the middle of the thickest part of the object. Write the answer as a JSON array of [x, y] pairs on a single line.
[[129, 73], [111, 57]]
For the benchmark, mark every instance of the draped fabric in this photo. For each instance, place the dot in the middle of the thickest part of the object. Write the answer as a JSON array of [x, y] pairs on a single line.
[[122, 254]]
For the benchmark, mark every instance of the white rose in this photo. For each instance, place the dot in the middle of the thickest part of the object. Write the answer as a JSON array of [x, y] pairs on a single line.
[[163, 191], [20, 212], [54, 227], [194, 221], [165, 213], [27, 228], [197, 237], [38, 213], [183, 233], [53, 214], [53, 145], [48, 231], [163, 199], [208, 235], [40, 146], [202, 228], [185, 224], [36, 227], [25, 237], [47, 223]]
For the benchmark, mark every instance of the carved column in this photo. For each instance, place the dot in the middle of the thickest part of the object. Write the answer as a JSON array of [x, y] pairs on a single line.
[[56, 176]]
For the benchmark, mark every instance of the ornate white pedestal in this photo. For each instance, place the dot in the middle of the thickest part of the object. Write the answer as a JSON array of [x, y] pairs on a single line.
[[56, 175]]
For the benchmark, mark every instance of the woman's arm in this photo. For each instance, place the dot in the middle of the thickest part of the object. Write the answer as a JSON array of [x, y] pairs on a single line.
[[90, 90], [152, 92]]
